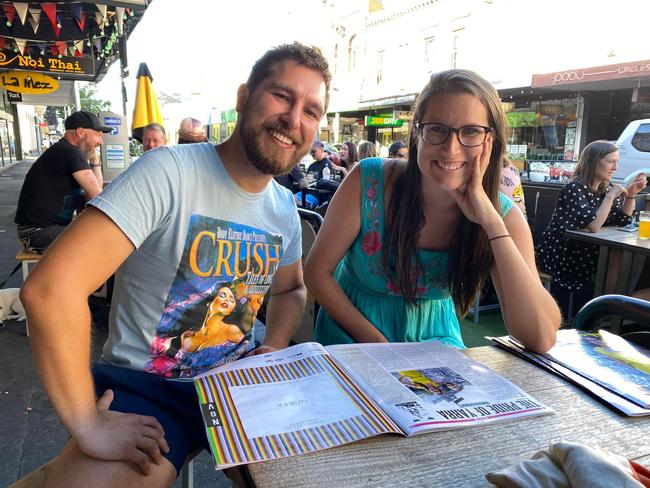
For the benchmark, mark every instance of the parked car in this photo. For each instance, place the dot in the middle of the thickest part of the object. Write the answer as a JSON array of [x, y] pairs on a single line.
[[634, 151]]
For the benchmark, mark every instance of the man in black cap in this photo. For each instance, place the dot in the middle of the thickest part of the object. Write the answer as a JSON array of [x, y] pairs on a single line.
[[60, 181]]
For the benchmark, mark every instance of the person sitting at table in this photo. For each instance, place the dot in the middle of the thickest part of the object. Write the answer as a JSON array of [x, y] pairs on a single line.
[[294, 180], [348, 159], [367, 149], [588, 201], [511, 184], [407, 244], [321, 161]]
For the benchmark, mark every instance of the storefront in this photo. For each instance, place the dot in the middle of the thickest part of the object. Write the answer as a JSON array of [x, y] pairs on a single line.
[[382, 121], [561, 112]]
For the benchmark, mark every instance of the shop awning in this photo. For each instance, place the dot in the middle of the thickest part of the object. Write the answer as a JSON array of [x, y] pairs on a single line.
[[635, 74]]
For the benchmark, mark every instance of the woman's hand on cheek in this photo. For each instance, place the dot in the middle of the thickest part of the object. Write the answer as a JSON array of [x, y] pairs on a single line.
[[472, 200]]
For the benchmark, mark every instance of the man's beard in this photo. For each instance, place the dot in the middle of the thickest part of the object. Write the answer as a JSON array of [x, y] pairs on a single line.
[[265, 162]]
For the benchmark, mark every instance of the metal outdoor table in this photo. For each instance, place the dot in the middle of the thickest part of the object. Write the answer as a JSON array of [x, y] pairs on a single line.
[[461, 457], [633, 249]]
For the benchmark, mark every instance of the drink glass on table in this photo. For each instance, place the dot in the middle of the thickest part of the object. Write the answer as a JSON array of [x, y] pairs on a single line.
[[644, 225]]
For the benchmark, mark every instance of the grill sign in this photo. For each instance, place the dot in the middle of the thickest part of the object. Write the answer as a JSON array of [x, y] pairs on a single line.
[[25, 82]]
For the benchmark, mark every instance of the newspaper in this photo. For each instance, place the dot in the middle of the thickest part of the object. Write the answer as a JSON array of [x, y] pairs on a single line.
[[603, 364], [307, 397]]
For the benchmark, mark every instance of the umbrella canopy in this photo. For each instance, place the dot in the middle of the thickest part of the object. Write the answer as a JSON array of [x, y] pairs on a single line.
[[146, 110]]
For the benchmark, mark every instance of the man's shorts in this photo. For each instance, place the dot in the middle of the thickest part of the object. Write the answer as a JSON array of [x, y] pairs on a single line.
[[173, 403]]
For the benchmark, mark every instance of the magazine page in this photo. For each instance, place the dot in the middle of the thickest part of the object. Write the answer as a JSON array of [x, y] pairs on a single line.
[[430, 386], [612, 399], [607, 359], [283, 403]]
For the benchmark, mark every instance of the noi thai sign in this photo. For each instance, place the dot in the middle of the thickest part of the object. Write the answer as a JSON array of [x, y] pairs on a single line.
[[66, 65], [633, 69]]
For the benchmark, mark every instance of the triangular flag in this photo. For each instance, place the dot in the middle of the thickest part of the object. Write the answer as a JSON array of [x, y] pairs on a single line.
[[82, 23], [77, 10], [35, 20], [10, 12], [21, 8], [42, 47], [78, 48], [102, 12], [50, 11], [2, 43], [97, 42], [21, 43], [119, 14], [98, 18]]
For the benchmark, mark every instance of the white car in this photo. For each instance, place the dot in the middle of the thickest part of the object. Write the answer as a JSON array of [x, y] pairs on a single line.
[[634, 151]]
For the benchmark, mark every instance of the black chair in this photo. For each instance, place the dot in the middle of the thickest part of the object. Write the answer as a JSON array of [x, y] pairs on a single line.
[[626, 308], [310, 222]]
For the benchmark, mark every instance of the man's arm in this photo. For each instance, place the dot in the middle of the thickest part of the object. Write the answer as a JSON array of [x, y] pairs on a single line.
[[286, 304], [87, 179], [96, 168], [55, 297]]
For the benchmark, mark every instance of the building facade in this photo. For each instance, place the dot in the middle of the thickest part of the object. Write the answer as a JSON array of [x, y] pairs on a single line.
[[561, 88]]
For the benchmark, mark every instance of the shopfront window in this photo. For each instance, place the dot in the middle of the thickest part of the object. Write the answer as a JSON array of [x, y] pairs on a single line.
[[542, 130]]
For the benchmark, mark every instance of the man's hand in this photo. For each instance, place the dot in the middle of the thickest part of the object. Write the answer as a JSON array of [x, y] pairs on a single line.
[[260, 350], [123, 436]]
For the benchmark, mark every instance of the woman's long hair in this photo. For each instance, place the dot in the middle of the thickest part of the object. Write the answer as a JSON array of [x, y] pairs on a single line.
[[352, 155], [590, 156], [470, 256]]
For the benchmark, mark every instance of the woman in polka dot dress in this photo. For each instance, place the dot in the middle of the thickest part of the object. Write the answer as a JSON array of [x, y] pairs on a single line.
[[589, 201]]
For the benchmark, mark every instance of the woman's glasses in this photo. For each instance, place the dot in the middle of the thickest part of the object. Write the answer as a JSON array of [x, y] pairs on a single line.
[[468, 135]]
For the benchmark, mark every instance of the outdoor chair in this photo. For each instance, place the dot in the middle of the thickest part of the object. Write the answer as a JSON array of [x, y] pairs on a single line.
[[620, 306], [310, 223]]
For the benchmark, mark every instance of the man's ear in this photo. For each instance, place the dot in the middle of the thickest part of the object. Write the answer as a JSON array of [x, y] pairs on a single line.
[[79, 131], [242, 96]]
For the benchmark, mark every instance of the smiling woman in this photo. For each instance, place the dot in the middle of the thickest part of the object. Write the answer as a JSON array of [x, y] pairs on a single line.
[[407, 244]]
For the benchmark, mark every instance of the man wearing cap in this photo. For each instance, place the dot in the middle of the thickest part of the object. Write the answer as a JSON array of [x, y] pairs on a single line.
[[60, 181], [321, 161]]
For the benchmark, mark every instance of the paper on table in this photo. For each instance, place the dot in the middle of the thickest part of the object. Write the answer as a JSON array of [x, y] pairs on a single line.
[[291, 405]]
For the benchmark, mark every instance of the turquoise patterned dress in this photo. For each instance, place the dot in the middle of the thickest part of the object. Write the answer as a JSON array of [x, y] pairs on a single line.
[[361, 276]]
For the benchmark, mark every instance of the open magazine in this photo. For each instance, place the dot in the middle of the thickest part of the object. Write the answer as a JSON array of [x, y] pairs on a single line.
[[308, 397], [604, 364]]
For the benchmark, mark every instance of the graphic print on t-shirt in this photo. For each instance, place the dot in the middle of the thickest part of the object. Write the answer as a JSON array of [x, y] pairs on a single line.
[[209, 314]]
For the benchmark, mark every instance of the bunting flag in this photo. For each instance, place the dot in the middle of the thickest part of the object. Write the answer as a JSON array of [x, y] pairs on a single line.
[[35, 18], [119, 14], [21, 8], [2, 43], [98, 18], [78, 48], [42, 47], [81, 23], [79, 15], [20, 43], [102, 12], [50, 11], [10, 12], [97, 42]]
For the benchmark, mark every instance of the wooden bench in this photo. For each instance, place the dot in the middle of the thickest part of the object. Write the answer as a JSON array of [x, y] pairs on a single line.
[[26, 258]]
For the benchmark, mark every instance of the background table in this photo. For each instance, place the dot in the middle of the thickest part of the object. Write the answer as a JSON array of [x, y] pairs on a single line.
[[461, 457], [614, 238]]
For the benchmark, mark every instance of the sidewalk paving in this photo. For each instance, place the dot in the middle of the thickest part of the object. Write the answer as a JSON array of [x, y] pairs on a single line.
[[31, 432]]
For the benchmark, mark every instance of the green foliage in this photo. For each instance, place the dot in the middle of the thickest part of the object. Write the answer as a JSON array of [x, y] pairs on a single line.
[[89, 101]]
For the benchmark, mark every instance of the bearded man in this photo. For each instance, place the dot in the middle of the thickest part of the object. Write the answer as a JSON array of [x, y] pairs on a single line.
[[60, 181], [182, 225]]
